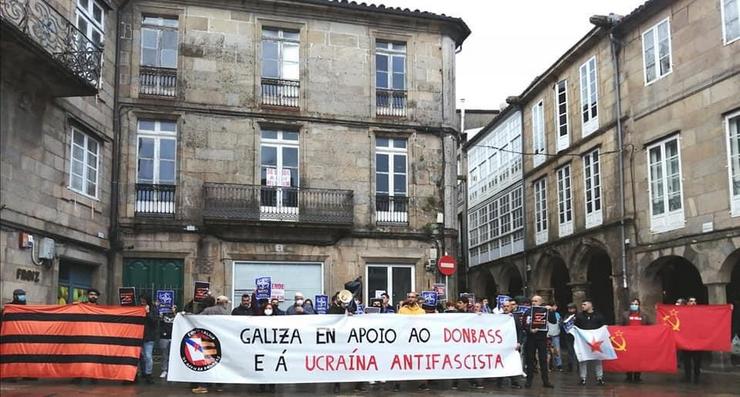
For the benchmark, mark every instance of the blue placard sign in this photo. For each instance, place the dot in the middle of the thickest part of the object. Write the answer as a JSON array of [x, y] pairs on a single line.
[[264, 288], [322, 304], [166, 298]]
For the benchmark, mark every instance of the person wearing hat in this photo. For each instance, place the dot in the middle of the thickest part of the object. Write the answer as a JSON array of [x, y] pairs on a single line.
[[342, 303], [19, 297], [219, 308], [298, 306]]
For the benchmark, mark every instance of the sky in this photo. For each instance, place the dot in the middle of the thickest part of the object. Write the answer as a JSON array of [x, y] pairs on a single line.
[[512, 41]]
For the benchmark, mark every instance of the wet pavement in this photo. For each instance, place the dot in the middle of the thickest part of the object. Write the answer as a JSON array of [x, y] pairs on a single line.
[[715, 384]]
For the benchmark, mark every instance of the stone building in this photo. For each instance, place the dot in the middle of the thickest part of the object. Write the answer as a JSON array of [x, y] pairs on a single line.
[[56, 145], [658, 219], [310, 141]]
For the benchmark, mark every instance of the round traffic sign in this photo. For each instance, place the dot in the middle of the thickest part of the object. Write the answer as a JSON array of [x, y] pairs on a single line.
[[447, 265]]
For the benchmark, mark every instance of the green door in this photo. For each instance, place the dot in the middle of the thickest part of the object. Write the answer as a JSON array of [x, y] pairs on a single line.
[[150, 275]]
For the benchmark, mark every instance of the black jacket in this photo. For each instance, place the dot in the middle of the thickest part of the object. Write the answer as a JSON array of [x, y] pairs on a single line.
[[519, 327], [165, 325], [150, 324], [527, 320], [589, 320], [243, 311]]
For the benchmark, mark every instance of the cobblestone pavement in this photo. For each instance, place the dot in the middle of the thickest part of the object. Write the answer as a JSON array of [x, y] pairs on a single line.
[[713, 384]]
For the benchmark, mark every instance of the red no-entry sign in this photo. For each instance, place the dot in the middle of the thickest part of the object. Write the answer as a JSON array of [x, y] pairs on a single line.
[[447, 265]]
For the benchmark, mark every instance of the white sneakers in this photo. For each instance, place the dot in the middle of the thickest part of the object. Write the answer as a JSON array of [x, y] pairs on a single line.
[[163, 375]]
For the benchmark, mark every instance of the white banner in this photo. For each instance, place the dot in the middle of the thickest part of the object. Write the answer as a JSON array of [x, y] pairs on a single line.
[[338, 348]]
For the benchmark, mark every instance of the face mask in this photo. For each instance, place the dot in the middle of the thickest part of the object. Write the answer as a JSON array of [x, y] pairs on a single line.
[[634, 308], [268, 312], [21, 298], [299, 302]]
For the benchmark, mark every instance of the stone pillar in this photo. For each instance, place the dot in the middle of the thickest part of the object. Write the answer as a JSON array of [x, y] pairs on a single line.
[[717, 295], [580, 292]]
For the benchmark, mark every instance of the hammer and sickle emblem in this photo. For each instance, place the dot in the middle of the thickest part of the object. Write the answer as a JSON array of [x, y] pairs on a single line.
[[673, 320], [618, 341]]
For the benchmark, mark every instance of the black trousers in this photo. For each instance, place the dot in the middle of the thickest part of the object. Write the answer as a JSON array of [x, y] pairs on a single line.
[[691, 360], [537, 344]]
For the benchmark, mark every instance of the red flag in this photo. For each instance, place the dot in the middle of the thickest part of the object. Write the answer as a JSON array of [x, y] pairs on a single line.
[[646, 348], [698, 327], [71, 341]]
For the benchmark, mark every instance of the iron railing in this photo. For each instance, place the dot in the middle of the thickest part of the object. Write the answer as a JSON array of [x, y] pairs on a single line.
[[56, 35], [282, 93], [390, 103], [157, 81], [235, 202], [391, 209], [155, 200]]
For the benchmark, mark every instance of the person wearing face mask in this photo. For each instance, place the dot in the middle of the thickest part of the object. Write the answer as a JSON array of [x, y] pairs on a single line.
[[267, 310], [308, 307], [298, 306], [19, 297], [633, 317]]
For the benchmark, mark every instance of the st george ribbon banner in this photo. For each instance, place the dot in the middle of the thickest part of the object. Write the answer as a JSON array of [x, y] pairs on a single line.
[[338, 348]]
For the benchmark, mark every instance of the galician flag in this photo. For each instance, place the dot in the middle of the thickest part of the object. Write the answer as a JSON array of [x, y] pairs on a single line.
[[593, 344]]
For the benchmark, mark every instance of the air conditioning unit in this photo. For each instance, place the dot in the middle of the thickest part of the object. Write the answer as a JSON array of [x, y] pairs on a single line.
[[47, 248]]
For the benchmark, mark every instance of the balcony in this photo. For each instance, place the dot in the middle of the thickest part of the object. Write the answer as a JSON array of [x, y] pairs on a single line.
[[37, 39], [280, 93], [156, 81], [391, 209], [155, 200], [390, 103], [233, 203]]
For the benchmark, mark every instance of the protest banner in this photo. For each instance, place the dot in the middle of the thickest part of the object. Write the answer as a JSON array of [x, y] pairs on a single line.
[[634, 344], [338, 348], [201, 290], [322, 304], [264, 287], [71, 341], [165, 300], [278, 292], [127, 296], [689, 326]]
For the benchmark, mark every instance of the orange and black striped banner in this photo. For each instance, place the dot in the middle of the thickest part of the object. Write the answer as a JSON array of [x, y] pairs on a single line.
[[71, 341]]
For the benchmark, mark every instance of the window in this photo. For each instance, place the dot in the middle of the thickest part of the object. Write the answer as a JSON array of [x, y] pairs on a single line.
[[538, 133], [656, 51], [279, 175], [589, 97], [540, 210], [664, 172], [565, 202], [592, 188], [390, 78], [280, 67], [495, 229], [390, 180], [74, 282], [396, 280], [155, 169], [733, 153], [561, 114], [159, 42], [84, 163], [730, 20], [90, 20]]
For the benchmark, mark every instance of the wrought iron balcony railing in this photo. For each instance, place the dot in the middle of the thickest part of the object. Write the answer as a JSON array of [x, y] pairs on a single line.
[[56, 35], [282, 93], [225, 202], [155, 200], [157, 81], [390, 103], [391, 209]]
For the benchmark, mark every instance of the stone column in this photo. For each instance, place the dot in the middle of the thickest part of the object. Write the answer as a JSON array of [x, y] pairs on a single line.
[[580, 291], [717, 295]]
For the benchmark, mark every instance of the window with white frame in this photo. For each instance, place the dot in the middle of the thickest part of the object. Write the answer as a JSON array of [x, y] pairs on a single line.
[[665, 185], [279, 175], [730, 20], [91, 20], [390, 78], [157, 152], [84, 163], [280, 53], [565, 202], [391, 176], [538, 133], [732, 125], [540, 210], [592, 188], [159, 42], [496, 228], [561, 114], [589, 97], [656, 51]]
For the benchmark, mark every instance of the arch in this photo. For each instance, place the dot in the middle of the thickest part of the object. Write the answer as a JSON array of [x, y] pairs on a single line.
[[483, 285], [582, 256], [512, 281], [601, 286], [671, 277]]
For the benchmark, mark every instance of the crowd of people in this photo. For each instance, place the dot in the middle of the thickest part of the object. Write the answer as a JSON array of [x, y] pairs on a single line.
[[543, 349]]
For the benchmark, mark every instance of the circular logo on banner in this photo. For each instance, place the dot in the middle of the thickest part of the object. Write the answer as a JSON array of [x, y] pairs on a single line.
[[200, 350]]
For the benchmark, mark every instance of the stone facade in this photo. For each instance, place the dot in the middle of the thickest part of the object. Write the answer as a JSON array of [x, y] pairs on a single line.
[[221, 115], [42, 103]]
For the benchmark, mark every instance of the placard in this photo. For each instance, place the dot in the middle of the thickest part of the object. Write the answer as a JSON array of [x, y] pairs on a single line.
[[500, 300], [278, 292], [165, 299], [430, 298], [264, 287], [285, 178], [321, 304], [539, 318], [379, 293], [271, 176], [440, 289], [127, 296], [201, 290]]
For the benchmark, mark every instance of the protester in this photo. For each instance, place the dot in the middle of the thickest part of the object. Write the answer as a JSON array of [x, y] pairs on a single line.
[[146, 360], [633, 317], [567, 339], [411, 307], [276, 307], [386, 306], [508, 310], [485, 308], [266, 310], [589, 319], [212, 307], [92, 296], [165, 338], [691, 359], [342, 303], [477, 307], [245, 308], [308, 307], [298, 306], [19, 297], [450, 307], [553, 334], [473, 382], [536, 343], [462, 305]]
